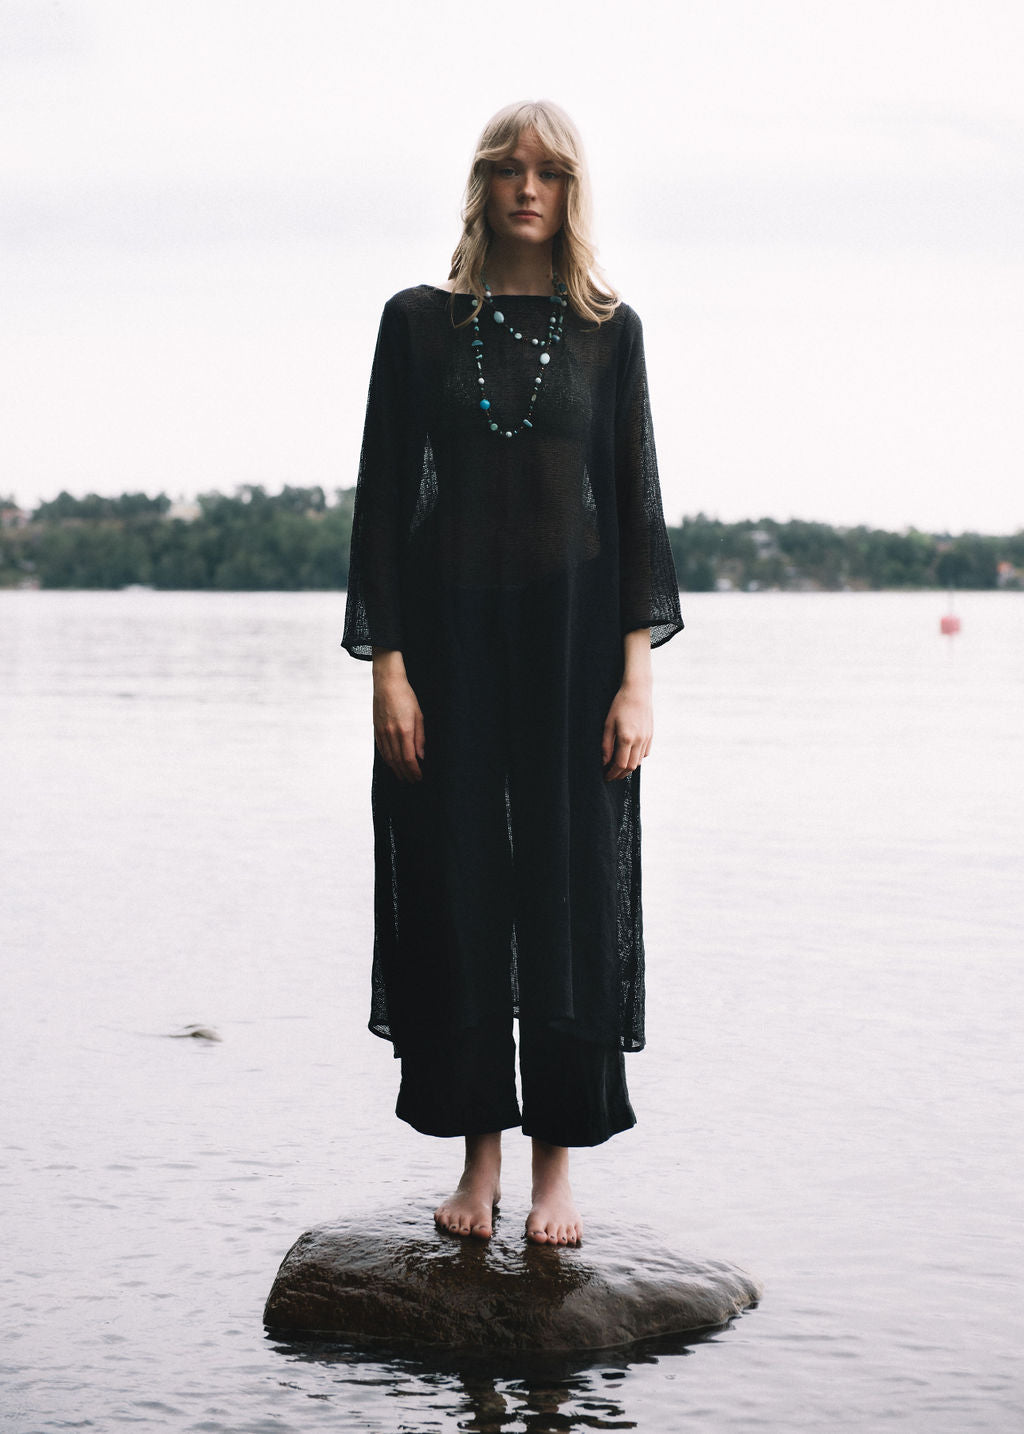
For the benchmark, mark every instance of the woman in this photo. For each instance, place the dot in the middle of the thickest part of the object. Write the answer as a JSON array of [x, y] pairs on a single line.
[[510, 573]]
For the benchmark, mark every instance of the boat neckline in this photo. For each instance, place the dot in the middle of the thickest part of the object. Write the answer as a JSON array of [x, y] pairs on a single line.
[[449, 294]]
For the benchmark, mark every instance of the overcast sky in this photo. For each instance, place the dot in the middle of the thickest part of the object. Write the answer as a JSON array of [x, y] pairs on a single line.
[[817, 207]]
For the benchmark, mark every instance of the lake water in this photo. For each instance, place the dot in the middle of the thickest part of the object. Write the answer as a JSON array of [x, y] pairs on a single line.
[[831, 1094]]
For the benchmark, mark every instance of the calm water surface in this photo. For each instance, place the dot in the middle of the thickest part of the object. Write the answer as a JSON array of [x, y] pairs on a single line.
[[831, 1095]]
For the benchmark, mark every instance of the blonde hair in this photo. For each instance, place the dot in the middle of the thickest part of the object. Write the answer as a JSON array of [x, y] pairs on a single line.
[[589, 293]]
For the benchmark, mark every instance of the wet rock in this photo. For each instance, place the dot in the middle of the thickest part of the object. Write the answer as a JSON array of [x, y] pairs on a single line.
[[398, 1280]]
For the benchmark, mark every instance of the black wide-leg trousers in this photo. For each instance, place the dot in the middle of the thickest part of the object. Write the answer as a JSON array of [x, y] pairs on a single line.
[[574, 1092]]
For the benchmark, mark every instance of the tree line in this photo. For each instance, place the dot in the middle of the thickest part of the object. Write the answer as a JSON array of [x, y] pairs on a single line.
[[298, 539]]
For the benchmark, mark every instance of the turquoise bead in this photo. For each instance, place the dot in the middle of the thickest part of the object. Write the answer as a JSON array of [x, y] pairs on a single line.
[[499, 317], [485, 404], [545, 358]]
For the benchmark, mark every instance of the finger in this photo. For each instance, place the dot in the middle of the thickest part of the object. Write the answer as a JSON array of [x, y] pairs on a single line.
[[607, 743], [617, 767], [613, 766], [627, 753], [390, 745], [408, 754], [387, 751], [380, 737], [420, 737], [626, 759]]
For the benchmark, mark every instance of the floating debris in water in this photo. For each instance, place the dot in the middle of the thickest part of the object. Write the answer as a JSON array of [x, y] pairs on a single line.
[[196, 1033]]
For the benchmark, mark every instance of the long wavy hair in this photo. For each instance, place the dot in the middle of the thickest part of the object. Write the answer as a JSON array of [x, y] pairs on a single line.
[[573, 254]]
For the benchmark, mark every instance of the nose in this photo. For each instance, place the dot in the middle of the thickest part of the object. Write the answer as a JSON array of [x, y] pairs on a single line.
[[526, 185]]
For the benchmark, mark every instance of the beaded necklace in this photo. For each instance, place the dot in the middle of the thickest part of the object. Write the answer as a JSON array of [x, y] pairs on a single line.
[[543, 346]]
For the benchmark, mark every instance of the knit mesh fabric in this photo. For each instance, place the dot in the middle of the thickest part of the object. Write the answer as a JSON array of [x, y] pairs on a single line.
[[507, 572]]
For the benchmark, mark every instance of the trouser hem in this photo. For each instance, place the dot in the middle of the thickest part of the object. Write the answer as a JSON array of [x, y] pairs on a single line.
[[450, 1130], [574, 1139], [574, 1091]]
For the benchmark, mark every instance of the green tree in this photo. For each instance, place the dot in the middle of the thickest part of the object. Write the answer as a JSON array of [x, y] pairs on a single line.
[[970, 562]]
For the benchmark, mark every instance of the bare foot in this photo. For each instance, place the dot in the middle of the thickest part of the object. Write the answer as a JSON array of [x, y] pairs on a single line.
[[470, 1209], [554, 1219]]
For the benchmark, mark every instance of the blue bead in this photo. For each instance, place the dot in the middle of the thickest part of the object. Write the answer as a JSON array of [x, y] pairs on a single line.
[[494, 428], [499, 317], [527, 423], [485, 404], [477, 344]]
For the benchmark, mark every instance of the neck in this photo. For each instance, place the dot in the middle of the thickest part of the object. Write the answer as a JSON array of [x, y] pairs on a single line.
[[512, 270]]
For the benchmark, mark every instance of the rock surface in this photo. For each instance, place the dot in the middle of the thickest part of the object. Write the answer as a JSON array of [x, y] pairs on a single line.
[[394, 1278]]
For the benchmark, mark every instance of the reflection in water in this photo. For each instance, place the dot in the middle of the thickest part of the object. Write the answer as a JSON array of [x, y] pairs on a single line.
[[494, 1393]]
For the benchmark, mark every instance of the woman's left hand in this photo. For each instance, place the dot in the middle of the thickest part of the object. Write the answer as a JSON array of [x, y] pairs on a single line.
[[628, 730]]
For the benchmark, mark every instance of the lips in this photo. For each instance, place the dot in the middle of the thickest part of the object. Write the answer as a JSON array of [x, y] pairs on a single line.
[[525, 214]]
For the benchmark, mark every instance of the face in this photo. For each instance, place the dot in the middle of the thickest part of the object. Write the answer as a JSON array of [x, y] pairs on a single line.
[[527, 197]]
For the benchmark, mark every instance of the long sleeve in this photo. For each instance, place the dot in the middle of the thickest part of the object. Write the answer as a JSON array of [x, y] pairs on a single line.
[[649, 590], [388, 467]]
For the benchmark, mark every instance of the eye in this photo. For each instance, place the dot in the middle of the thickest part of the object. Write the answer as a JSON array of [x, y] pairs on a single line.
[[505, 171], [550, 175]]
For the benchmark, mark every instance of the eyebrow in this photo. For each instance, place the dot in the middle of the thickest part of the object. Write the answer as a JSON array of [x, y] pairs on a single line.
[[518, 159]]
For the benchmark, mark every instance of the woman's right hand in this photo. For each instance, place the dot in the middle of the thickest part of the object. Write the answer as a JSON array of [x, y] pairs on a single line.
[[397, 718]]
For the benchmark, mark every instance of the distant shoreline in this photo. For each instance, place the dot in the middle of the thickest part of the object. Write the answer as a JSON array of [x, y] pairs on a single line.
[[31, 587], [298, 540]]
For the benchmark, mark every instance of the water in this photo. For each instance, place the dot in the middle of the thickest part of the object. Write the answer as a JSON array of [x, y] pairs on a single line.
[[831, 1094]]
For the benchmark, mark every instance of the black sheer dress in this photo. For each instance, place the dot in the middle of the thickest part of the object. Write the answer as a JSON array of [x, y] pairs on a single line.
[[507, 572]]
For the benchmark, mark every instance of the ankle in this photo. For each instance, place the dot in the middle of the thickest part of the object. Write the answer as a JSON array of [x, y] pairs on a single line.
[[550, 1164], [483, 1156]]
